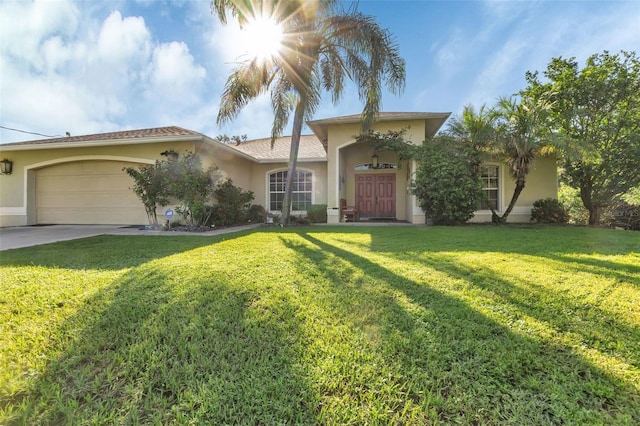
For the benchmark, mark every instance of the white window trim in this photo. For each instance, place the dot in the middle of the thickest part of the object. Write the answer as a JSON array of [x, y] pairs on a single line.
[[500, 186], [286, 169]]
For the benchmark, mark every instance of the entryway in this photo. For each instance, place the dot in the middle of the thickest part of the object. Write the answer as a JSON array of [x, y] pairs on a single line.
[[376, 195]]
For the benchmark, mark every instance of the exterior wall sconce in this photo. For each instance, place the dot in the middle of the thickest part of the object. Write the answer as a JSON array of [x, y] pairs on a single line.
[[374, 161], [170, 154], [6, 167]]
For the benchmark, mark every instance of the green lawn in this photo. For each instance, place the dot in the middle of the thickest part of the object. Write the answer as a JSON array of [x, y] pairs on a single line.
[[325, 325]]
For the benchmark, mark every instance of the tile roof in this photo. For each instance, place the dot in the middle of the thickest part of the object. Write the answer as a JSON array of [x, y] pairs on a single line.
[[310, 148], [156, 132]]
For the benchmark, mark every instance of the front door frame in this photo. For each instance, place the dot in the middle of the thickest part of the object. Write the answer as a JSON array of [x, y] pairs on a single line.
[[375, 195]]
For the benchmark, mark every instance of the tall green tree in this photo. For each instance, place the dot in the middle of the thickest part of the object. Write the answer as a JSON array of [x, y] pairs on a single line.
[[597, 110], [522, 133], [322, 44]]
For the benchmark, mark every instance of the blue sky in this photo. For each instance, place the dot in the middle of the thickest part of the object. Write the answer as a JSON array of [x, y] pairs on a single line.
[[98, 66]]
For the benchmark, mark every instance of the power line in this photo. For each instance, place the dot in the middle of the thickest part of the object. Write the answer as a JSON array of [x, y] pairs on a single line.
[[31, 133]]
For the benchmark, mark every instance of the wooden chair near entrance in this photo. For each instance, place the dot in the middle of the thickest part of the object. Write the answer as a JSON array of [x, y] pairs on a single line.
[[348, 213]]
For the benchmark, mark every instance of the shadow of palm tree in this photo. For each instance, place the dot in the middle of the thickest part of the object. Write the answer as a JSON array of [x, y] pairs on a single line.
[[448, 358], [156, 347]]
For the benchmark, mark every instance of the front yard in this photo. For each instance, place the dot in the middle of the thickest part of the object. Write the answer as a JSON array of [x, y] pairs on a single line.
[[325, 325]]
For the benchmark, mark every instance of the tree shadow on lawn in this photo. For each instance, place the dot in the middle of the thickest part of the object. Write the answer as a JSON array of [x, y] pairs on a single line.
[[537, 240], [109, 252], [155, 350], [452, 363], [584, 320], [624, 272]]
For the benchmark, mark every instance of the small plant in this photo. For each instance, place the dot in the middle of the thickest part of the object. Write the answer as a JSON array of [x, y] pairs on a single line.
[[570, 198], [317, 213], [549, 210], [256, 214], [300, 220]]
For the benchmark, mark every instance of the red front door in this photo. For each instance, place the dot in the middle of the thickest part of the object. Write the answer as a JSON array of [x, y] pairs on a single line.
[[376, 195]]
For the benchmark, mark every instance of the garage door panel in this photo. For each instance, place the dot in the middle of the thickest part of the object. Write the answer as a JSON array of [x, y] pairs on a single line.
[[87, 192], [103, 200], [86, 183]]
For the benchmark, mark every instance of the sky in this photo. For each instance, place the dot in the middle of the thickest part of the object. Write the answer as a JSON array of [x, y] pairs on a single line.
[[94, 66]]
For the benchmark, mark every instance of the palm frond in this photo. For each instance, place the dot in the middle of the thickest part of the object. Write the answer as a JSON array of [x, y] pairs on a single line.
[[283, 101], [244, 84]]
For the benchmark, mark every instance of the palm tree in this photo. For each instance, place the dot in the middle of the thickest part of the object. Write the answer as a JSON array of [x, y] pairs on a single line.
[[477, 128], [522, 134], [322, 44]]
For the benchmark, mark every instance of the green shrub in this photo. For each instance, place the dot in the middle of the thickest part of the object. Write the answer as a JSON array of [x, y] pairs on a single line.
[[300, 220], [570, 198], [233, 204], [256, 214], [447, 181], [317, 213], [549, 210]]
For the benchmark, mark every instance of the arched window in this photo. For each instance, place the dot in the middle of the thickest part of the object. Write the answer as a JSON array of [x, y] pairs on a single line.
[[302, 190]]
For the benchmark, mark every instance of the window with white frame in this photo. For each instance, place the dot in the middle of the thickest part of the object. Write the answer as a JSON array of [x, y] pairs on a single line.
[[301, 194], [490, 187]]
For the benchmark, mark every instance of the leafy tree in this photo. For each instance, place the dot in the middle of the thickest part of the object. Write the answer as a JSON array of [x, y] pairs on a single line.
[[151, 186], [392, 140], [322, 43], [193, 186], [228, 140], [447, 181], [597, 110], [521, 134], [632, 197]]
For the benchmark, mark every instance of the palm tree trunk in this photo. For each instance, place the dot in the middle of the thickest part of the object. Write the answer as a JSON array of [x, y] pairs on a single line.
[[298, 119], [516, 193]]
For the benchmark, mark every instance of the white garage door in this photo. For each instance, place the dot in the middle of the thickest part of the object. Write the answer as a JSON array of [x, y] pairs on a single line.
[[87, 192]]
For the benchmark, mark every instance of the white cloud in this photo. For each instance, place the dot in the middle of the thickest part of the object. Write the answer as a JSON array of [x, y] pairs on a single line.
[[25, 25], [90, 74], [173, 67], [124, 40]]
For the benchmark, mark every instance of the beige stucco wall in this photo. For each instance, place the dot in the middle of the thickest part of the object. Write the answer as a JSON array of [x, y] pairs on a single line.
[[542, 182], [230, 164]]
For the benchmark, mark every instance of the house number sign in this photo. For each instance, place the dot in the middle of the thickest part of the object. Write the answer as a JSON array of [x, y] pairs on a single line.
[[168, 213]]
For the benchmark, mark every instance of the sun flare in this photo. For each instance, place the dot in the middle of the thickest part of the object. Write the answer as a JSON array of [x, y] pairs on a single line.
[[262, 38]]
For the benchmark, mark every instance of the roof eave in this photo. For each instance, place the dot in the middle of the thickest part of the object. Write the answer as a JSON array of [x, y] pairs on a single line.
[[319, 127], [228, 148], [102, 142], [285, 160]]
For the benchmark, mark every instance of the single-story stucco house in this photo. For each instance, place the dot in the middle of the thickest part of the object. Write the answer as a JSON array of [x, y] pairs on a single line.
[[80, 179]]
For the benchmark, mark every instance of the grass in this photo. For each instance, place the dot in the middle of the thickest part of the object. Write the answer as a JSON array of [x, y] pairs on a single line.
[[325, 325]]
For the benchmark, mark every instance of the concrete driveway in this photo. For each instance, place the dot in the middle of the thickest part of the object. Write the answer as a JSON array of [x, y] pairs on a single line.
[[27, 236]]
